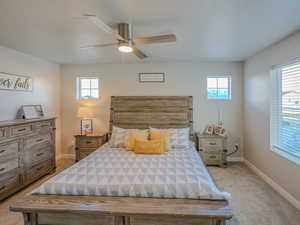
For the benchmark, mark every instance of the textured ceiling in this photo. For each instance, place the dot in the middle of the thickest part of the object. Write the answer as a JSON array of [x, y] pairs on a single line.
[[206, 29]]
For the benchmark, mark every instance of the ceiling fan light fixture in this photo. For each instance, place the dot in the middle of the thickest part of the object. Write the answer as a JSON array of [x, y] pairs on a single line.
[[125, 47]]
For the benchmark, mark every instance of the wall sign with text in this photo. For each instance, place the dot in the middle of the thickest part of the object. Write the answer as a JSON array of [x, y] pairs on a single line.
[[151, 77], [15, 82]]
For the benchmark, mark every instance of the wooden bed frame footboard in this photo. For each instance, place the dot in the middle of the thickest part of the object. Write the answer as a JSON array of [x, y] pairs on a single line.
[[94, 210]]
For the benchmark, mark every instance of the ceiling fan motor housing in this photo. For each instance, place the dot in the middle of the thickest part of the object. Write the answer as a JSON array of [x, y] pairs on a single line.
[[124, 30]]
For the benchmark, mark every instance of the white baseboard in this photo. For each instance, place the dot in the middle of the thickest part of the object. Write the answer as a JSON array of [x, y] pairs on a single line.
[[235, 159], [274, 185], [66, 156]]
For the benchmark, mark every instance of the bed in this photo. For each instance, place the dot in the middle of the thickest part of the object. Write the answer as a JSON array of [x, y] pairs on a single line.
[[62, 201]]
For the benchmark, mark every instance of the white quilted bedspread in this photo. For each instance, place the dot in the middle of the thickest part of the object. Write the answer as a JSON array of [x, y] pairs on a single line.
[[180, 173]]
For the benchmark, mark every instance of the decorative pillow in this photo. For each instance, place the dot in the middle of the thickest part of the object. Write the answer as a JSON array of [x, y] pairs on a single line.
[[133, 135], [118, 137], [179, 137], [162, 134], [149, 147]]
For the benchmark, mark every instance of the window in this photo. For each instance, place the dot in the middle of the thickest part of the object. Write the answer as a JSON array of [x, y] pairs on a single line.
[[87, 88], [285, 110], [218, 87]]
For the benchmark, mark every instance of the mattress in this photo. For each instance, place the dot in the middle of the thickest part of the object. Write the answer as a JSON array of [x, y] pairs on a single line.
[[180, 173]]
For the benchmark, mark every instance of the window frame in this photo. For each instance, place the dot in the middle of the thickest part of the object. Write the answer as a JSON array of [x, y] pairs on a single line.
[[79, 88], [229, 87], [276, 93]]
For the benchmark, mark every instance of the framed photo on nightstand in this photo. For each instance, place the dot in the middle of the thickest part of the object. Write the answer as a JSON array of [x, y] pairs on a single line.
[[86, 126]]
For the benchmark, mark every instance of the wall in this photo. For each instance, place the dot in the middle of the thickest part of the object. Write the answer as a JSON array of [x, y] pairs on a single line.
[[257, 115], [46, 89], [181, 79]]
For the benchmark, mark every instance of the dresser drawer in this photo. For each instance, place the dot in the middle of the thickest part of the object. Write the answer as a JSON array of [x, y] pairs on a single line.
[[3, 133], [20, 130], [38, 170], [88, 142], [7, 164], [212, 156], [211, 142], [35, 155], [211, 150], [8, 186], [41, 139], [84, 153], [44, 126], [9, 149]]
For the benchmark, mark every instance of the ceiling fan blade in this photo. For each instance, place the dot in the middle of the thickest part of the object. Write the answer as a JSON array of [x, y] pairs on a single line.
[[103, 26], [97, 46], [139, 53], [155, 39]]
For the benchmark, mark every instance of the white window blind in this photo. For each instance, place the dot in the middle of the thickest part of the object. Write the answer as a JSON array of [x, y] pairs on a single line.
[[285, 109]]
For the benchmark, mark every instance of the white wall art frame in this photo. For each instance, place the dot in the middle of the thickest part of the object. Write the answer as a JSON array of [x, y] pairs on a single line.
[[151, 77], [13, 82]]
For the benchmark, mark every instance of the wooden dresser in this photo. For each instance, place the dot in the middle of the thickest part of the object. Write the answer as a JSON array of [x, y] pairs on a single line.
[[27, 152], [86, 144]]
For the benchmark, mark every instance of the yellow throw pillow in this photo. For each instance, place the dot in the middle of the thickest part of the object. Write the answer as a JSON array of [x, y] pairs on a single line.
[[162, 134], [133, 135], [149, 147]]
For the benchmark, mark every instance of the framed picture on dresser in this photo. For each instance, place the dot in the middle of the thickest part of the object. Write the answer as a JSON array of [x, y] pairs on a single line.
[[30, 112]]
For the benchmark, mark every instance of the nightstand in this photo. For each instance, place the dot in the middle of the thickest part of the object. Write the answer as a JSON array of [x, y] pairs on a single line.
[[212, 149], [86, 144]]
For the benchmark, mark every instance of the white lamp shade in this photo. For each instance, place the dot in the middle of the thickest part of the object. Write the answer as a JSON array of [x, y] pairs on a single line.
[[85, 112]]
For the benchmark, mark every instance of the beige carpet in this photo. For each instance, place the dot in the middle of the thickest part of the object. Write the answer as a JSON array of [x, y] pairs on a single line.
[[254, 202]]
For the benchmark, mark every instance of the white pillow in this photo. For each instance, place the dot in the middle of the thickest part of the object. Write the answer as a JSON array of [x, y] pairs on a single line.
[[119, 137], [179, 137]]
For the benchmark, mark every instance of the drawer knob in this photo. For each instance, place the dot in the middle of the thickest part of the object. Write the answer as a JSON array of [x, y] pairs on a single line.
[[212, 143], [2, 188], [2, 151], [2, 169], [39, 168], [88, 142], [213, 157], [40, 154]]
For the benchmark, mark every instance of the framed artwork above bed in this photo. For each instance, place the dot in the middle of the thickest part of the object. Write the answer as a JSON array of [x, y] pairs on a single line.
[[152, 77]]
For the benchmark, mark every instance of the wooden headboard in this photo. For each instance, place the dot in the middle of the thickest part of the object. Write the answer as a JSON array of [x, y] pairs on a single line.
[[152, 111]]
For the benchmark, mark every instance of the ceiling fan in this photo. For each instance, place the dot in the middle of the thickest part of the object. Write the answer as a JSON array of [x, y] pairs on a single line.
[[125, 42]]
